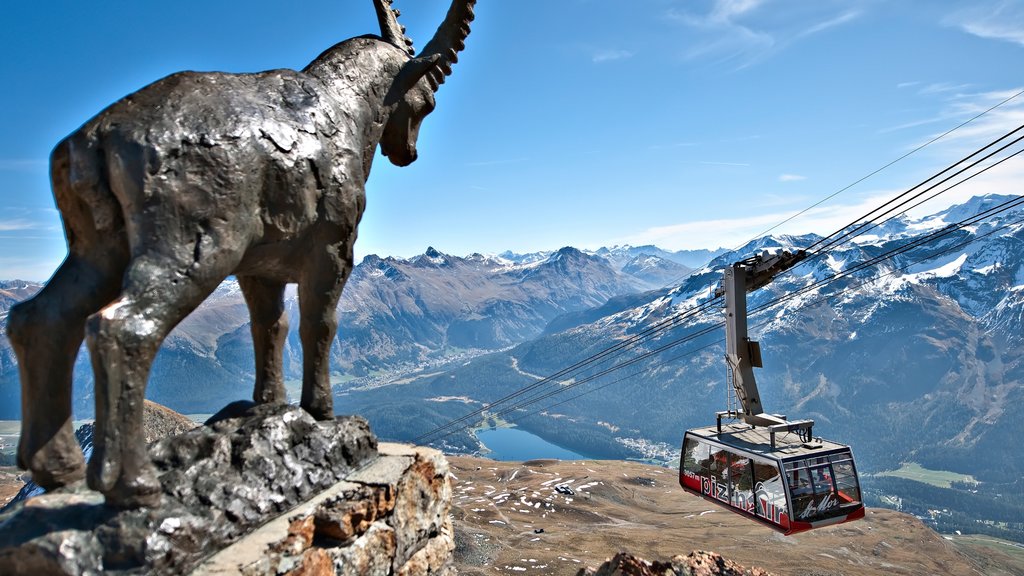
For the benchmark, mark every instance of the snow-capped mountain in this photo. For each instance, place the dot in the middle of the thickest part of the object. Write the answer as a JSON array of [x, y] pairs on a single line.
[[621, 255], [396, 314], [917, 358]]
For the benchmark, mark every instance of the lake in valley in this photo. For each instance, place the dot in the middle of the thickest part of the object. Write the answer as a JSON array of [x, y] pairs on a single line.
[[518, 445]]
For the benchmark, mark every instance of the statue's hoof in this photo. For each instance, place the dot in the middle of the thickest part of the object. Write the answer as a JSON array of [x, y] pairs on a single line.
[[53, 467], [319, 411], [51, 479], [143, 491]]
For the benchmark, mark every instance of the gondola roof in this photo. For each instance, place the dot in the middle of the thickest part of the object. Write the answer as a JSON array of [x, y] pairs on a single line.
[[757, 441]]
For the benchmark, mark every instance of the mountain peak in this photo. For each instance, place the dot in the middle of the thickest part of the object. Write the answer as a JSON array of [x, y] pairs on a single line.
[[973, 206], [432, 257]]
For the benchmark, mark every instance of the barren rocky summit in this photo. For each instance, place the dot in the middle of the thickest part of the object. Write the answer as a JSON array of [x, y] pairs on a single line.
[[562, 517]]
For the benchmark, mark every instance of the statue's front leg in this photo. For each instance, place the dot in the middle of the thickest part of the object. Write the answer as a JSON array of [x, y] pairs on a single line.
[[123, 339], [320, 288]]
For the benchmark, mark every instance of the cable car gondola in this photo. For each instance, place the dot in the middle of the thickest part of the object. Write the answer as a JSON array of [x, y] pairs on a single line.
[[793, 487], [764, 466]]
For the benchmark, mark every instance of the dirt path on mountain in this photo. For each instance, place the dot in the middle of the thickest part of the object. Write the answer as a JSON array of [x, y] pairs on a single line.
[[515, 366]]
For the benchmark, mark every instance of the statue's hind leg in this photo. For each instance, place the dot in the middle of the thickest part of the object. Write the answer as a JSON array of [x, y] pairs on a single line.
[[123, 338], [46, 333], [269, 323]]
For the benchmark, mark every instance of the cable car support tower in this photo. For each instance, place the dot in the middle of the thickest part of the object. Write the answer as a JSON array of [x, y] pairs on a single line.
[[743, 354]]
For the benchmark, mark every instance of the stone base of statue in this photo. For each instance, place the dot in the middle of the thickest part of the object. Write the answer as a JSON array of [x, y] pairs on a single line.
[[268, 492]]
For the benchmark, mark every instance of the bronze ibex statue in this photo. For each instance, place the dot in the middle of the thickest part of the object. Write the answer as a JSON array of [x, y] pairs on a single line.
[[191, 179]]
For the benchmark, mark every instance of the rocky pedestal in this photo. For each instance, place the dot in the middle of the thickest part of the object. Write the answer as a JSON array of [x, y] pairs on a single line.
[[392, 517], [344, 507]]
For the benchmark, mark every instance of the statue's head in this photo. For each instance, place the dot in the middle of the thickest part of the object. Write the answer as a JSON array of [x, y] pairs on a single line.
[[411, 96]]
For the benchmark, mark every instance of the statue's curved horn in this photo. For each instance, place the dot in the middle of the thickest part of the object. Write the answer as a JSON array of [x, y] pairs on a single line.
[[449, 40], [390, 30]]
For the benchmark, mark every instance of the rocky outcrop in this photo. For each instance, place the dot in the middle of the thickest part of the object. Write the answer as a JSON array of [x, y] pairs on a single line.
[[220, 482], [697, 563], [390, 518]]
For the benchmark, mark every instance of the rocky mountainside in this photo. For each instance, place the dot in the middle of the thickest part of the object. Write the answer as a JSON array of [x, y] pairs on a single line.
[[916, 356], [395, 315], [396, 310]]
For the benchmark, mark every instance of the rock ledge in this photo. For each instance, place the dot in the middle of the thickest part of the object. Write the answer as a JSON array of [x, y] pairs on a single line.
[[697, 563]]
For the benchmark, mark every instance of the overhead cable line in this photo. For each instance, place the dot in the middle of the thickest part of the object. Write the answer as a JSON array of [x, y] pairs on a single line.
[[885, 209], [1008, 205], [862, 231], [782, 299], [914, 151], [675, 319], [861, 179], [619, 347], [816, 301]]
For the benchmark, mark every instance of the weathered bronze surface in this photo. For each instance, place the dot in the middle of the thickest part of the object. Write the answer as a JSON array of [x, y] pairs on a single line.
[[191, 179]]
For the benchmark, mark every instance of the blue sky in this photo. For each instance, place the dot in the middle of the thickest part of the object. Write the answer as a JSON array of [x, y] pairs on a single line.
[[685, 123]]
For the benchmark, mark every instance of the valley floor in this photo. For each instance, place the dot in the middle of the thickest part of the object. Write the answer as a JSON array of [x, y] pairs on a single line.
[[510, 518]]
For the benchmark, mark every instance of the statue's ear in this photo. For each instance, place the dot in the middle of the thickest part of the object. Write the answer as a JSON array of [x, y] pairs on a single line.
[[415, 69]]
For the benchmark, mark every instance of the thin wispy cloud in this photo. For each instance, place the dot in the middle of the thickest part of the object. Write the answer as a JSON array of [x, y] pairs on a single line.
[[15, 225], [960, 106], [732, 232], [728, 10], [714, 163], [741, 31], [991, 125], [914, 124], [791, 178], [21, 165], [943, 87], [728, 39], [610, 55], [831, 23], [1002, 20]]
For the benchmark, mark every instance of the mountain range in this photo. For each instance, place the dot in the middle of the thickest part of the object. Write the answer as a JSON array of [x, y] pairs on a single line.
[[917, 358], [396, 315]]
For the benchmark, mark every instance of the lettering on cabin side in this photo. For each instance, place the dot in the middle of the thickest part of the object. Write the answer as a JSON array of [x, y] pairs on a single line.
[[759, 504]]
